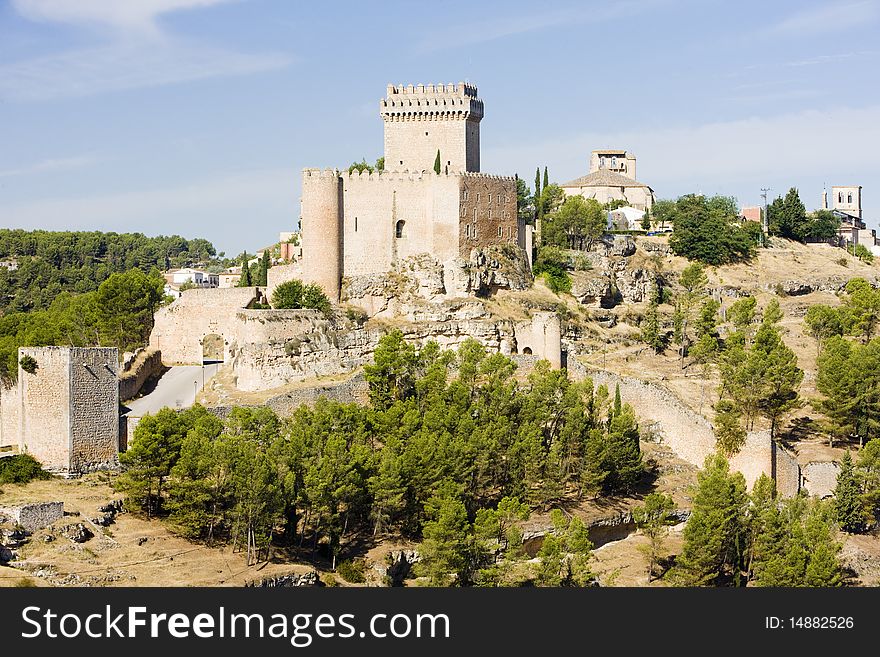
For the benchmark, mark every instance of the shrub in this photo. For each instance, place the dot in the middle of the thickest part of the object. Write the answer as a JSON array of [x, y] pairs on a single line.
[[28, 364], [294, 294], [843, 262], [21, 469], [352, 571], [582, 263], [552, 264], [863, 253]]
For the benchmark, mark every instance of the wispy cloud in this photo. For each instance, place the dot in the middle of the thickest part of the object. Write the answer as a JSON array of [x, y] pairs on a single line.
[[499, 28], [120, 66], [134, 52], [826, 18], [138, 15], [50, 165], [828, 59]]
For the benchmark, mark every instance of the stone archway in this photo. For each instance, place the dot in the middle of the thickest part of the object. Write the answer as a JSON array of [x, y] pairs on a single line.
[[213, 348]]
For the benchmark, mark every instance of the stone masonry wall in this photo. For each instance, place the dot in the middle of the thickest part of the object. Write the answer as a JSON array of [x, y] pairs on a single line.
[[487, 212], [147, 363], [787, 472], [94, 409], [820, 477], [689, 434], [179, 327], [46, 406], [34, 516], [10, 430]]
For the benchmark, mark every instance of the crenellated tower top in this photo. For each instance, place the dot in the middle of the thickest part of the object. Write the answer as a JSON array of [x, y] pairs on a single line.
[[422, 119]]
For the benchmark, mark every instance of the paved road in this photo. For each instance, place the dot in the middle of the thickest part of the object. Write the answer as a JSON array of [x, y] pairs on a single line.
[[176, 389]]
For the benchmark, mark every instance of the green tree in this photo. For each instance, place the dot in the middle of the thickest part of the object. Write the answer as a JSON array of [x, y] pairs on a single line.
[[546, 179], [361, 166], [730, 435], [651, 334], [437, 162], [449, 550], [646, 221], [293, 294], [714, 536], [788, 217], [564, 557], [822, 322], [847, 498], [539, 206], [245, 280], [653, 519], [575, 225], [707, 230], [265, 263], [524, 201], [553, 265], [693, 283]]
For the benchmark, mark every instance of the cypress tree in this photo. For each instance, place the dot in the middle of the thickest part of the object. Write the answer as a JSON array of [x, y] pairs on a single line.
[[245, 280], [437, 162], [539, 206], [546, 178], [847, 500], [265, 263], [617, 403]]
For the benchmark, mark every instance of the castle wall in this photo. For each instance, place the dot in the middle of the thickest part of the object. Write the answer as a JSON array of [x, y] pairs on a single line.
[[279, 274], [820, 477], [145, 364], [487, 212], [34, 516], [10, 429], [540, 338], [94, 409], [688, 433], [179, 328], [45, 410]]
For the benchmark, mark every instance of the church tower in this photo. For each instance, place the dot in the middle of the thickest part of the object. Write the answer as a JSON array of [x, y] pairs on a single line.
[[421, 120]]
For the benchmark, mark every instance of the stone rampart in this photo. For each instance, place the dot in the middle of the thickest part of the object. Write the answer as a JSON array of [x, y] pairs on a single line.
[[145, 364], [32, 517], [820, 477]]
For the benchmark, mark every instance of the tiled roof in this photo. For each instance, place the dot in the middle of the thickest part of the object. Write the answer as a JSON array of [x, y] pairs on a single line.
[[604, 178]]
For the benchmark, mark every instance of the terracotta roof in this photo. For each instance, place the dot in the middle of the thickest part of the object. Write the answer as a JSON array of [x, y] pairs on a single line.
[[604, 178]]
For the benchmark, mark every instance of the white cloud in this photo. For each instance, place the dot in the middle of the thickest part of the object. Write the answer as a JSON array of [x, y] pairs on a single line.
[[54, 164], [120, 66], [826, 18], [133, 53], [139, 15]]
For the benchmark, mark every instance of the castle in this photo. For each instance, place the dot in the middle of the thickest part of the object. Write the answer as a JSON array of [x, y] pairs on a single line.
[[363, 223]]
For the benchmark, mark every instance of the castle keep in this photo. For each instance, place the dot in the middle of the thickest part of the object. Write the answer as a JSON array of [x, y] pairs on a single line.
[[362, 223]]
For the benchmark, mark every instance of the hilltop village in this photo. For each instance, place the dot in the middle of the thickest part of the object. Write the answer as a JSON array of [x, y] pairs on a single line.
[[610, 352]]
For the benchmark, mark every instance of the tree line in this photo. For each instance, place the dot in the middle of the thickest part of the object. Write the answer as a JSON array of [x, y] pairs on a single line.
[[450, 448], [47, 263], [118, 314]]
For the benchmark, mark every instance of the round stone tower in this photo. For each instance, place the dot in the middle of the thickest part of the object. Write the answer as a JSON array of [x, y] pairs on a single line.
[[322, 229]]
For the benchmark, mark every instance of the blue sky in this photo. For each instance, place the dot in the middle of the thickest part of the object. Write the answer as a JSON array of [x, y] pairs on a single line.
[[196, 116]]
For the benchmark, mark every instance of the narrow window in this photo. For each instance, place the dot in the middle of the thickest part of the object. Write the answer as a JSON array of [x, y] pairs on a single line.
[[489, 216], [840, 197], [355, 224], [398, 229], [500, 231], [849, 198]]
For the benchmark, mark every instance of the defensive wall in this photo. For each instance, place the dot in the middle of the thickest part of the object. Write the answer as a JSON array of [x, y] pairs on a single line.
[[35, 516], [691, 436], [146, 363]]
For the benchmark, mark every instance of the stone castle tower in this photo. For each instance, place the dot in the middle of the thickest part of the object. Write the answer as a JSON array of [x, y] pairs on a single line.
[[361, 223], [65, 412], [423, 119]]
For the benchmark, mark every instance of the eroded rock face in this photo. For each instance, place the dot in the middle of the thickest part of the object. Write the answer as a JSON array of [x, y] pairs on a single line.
[[78, 533], [309, 578]]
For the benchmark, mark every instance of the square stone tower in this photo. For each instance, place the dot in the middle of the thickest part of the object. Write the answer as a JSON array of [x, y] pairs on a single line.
[[68, 407], [422, 119], [847, 198]]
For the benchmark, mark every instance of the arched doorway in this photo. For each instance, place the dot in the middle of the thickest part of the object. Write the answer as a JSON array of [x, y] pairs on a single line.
[[213, 348], [527, 351]]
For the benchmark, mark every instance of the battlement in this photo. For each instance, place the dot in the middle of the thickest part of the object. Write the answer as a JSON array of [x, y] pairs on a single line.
[[320, 173], [431, 102]]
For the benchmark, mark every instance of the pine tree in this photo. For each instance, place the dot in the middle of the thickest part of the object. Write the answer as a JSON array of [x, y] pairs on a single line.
[[729, 433], [847, 498], [651, 328], [646, 221], [437, 162], [715, 532], [653, 520]]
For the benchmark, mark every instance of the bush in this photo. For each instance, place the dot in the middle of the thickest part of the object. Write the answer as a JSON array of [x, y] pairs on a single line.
[[552, 264], [21, 469], [294, 294], [28, 364], [706, 229], [863, 253], [352, 571]]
